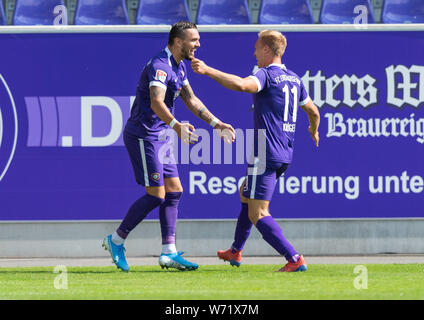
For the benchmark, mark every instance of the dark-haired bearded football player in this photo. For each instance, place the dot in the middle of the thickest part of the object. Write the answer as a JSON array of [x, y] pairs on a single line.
[[277, 94], [162, 80]]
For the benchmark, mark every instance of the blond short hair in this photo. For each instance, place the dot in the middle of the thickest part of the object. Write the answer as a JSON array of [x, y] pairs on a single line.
[[275, 40]]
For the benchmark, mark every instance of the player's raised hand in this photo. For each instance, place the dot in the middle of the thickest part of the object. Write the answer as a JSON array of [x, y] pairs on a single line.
[[226, 132], [186, 133], [198, 66], [314, 135]]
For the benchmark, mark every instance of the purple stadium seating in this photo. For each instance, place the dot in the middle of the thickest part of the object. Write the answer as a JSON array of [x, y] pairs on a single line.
[[162, 11], [223, 12], [343, 11], [101, 12], [403, 11], [35, 12], [285, 12]]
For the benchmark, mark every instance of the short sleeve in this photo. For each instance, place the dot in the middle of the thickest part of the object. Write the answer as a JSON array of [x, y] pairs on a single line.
[[304, 97], [260, 78], [158, 75]]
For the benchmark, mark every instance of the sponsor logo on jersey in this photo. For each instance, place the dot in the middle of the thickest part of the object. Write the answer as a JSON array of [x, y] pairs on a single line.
[[161, 75]]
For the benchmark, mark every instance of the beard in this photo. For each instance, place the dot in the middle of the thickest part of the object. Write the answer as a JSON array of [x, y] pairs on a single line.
[[185, 53]]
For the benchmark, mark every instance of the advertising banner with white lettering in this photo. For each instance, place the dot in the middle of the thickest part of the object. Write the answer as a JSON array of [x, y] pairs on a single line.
[[65, 98]]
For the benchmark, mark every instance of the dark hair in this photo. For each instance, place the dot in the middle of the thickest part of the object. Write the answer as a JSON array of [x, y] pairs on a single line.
[[178, 29]]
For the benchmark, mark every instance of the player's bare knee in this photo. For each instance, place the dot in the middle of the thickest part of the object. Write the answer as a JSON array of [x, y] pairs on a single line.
[[258, 209], [254, 214], [175, 189], [253, 218], [158, 192], [257, 215], [173, 185]]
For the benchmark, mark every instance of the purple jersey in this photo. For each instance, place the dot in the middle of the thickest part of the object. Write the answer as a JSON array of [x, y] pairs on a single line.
[[164, 72], [276, 104]]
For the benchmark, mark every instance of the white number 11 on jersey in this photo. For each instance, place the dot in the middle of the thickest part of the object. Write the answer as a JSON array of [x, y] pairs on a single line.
[[295, 103]]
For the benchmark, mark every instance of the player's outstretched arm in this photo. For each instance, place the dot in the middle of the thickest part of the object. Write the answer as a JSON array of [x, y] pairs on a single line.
[[196, 106], [229, 81], [184, 130], [314, 118]]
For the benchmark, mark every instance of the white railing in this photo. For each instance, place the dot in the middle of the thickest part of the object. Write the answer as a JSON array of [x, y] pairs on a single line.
[[213, 28]]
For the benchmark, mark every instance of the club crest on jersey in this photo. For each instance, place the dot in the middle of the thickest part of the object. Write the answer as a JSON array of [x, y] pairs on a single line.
[[161, 75], [155, 176]]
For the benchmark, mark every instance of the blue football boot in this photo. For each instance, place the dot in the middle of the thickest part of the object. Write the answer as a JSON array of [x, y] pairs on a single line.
[[174, 260], [117, 253]]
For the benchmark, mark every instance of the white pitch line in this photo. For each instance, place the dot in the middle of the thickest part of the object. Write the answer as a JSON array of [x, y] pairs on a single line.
[[204, 261]]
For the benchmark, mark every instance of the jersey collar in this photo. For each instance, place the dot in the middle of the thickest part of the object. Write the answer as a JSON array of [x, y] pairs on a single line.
[[282, 66], [171, 59], [168, 52]]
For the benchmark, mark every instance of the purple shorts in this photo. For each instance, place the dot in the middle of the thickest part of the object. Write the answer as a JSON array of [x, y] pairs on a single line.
[[261, 186], [151, 160]]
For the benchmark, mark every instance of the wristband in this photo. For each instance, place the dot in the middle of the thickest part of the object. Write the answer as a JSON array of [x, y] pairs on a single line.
[[173, 122], [214, 122]]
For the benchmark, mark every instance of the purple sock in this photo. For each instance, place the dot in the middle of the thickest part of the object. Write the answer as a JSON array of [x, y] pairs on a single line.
[[243, 228], [168, 212], [272, 233], [137, 212]]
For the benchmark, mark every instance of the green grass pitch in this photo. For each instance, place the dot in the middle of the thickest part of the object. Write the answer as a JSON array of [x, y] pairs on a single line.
[[217, 282]]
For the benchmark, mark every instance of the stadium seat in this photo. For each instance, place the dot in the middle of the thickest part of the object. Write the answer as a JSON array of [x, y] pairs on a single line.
[[223, 12], [2, 16], [162, 11], [285, 12], [403, 11], [36, 12], [95, 12], [343, 11]]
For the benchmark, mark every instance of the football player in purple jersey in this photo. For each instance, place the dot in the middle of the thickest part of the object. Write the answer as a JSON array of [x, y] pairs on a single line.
[[162, 81], [277, 95]]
